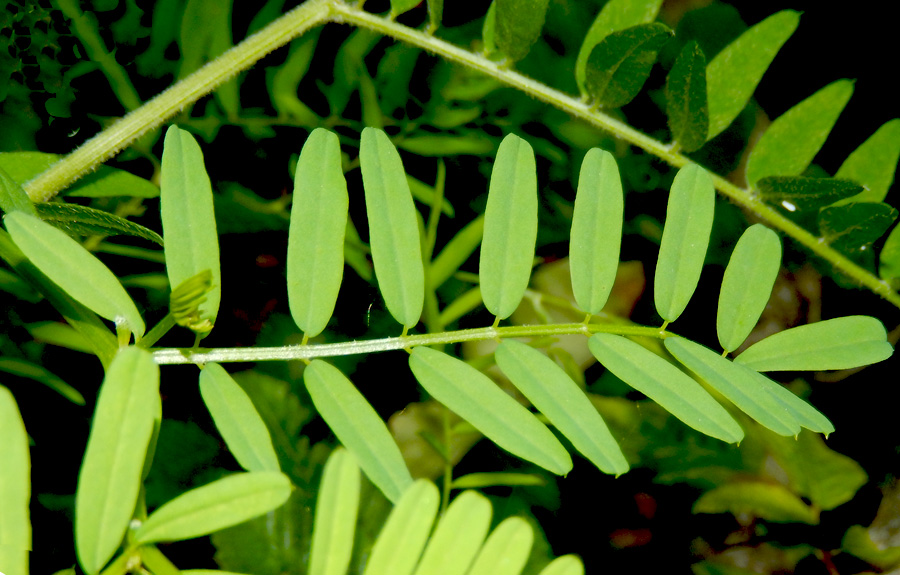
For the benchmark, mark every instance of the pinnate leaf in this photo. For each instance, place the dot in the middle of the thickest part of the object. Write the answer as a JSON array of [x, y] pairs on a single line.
[[686, 102], [403, 536], [873, 164], [839, 343], [336, 508], [518, 26]]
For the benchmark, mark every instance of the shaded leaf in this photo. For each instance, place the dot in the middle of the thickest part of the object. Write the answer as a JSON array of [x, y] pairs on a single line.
[[41, 374], [747, 285], [456, 252], [336, 508], [889, 258], [13, 197], [733, 74], [824, 476], [518, 26], [565, 404], [686, 102], [506, 550], [237, 420], [494, 478], [596, 230], [15, 487], [403, 536], [873, 163], [75, 270], [393, 229], [762, 499], [217, 505], [839, 343], [435, 14], [447, 145], [188, 219], [666, 385], [853, 228], [858, 542], [791, 142], [110, 475], [358, 427], [61, 334], [619, 65], [801, 193], [474, 397], [689, 216], [315, 260], [457, 537], [615, 15], [510, 227], [79, 220]]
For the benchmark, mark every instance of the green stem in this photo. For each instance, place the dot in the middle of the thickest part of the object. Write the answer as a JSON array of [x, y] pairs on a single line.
[[305, 352]]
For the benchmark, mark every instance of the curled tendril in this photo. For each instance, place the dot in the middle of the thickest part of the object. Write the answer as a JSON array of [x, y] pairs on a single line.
[[184, 303]]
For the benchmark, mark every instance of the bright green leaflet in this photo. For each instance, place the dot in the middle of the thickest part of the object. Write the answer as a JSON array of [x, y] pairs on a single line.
[[619, 65], [400, 6], [766, 500], [665, 384], [75, 270], [403, 536], [458, 536], [873, 163], [15, 488], [518, 26], [686, 102], [474, 397], [805, 414], [747, 285], [560, 399], [315, 260], [84, 221], [737, 383], [237, 420], [565, 565], [889, 258], [596, 230], [12, 197], [110, 475], [358, 427], [732, 76], [615, 15], [839, 343], [689, 217], [336, 508], [510, 227], [217, 505], [802, 193], [188, 220], [393, 229], [791, 142], [43, 375], [506, 550]]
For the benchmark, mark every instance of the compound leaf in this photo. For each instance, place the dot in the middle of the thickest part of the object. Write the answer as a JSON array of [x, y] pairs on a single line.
[[217, 505], [689, 216], [873, 163], [839, 343], [393, 229], [510, 227], [315, 260], [747, 285], [619, 65], [517, 26], [560, 399], [666, 385], [506, 550], [801, 193], [336, 508], [15, 488], [732, 76], [458, 536], [686, 102], [791, 142], [403, 536], [596, 230], [358, 427], [474, 397]]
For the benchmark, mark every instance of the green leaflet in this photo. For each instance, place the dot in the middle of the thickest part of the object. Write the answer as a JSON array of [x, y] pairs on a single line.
[[403, 536], [689, 217], [205, 34], [757, 498], [217, 505], [400, 6], [839, 343], [666, 385], [110, 475], [474, 397], [393, 229], [596, 230], [488, 29], [518, 26], [791, 142], [237, 420], [455, 253], [732, 76], [435, 14], [43, 375], [15, 488], [510, 227], [12, 197], [853, 228], [686, 102], [458, 536], [493, 478], [355, 423], [560, 399], [315, 260], [284, 83], [336, 508], [615, 15], [873, 163], [74, 270], [188, 220], [747, 285], [80, 220], [801, 193], [620, 64], [565, 565], [737, 383], [805, 414], [889, 258], [506, 550]]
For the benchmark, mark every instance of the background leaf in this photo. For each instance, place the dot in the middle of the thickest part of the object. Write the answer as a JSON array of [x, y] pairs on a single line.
[[43, 375], [801, 193], [79, 220], [336, 507], [15, 488], [733, 74], [403, 536], [510, 227], [458, 536], [853, 228], [435, 13], [400, 6], [763, 499], [686, 102], [12, 197], [518, 25], [873, 163], [889, 258]]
